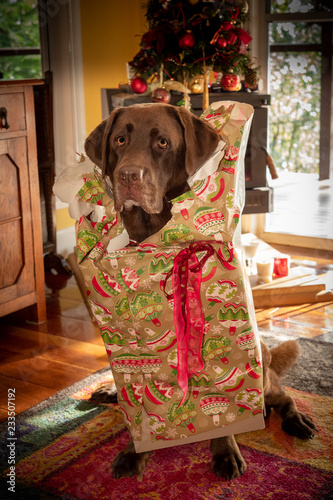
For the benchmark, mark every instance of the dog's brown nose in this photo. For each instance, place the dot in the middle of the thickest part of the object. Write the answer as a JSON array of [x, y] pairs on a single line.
[[128, 176]]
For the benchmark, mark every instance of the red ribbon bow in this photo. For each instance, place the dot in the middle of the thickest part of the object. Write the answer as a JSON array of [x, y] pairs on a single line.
[[188, 315]]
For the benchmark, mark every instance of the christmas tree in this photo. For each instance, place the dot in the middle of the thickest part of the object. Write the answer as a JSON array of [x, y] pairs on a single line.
[[187, 37]]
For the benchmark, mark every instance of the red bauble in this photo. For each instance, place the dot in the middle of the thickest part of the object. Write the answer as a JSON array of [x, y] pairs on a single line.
[[138, 85], [186, 41], [161, 95], [230, 82], [221, 43]]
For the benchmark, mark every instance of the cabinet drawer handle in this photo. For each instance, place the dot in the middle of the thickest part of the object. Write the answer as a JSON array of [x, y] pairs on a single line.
[[3, 118]]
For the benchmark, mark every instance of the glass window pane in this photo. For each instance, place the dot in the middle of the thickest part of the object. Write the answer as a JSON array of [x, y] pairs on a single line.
[[302, 6], [295, 110], [291, 33], [19, 28], [20, 67], [19, 23]]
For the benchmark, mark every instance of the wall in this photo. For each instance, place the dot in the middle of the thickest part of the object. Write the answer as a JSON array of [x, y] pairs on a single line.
[[108, 38], [108, 29]]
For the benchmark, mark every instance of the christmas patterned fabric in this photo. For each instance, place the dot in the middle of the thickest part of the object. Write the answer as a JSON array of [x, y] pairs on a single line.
[[175, 312]]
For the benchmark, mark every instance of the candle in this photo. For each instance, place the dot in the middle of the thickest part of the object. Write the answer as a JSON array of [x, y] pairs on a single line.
[[281, 266], [265, 270]]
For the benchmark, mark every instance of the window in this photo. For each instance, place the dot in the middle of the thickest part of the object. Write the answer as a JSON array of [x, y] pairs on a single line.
[[20, 54], [300, 47]]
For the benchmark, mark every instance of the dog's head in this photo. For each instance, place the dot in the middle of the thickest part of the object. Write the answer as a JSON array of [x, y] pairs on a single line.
[[146, 152]]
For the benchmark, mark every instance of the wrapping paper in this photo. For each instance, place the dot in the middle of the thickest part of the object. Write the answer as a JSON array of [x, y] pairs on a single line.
[[176, 312]]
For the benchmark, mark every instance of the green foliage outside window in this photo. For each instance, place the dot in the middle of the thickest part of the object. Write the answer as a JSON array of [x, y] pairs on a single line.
[[19, 28], [301, 6], [295, 111], [295, 87]]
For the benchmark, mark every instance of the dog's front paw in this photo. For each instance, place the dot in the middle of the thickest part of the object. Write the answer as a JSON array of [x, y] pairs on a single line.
[[228, 466], [128, 464], [107, 393], [299, 425], [227, 460]]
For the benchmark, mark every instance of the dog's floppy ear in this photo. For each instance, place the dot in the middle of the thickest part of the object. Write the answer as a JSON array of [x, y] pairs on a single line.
[[93, 144], [201, 140], [97, 143]]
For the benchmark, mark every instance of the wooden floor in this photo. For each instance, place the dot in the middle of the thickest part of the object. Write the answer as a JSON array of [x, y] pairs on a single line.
[[39, 360]]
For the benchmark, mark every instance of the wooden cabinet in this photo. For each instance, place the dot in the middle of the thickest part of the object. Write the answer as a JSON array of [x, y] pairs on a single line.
[[21, 247]]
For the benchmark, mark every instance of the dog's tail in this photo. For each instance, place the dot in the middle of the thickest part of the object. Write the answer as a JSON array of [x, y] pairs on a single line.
[[284, 356]]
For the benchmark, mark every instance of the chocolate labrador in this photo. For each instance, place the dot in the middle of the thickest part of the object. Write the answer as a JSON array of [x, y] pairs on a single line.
[[146, 153]]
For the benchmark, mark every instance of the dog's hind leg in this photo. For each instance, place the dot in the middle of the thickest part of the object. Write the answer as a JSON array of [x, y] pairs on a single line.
[[277, 362], [227, 460], [128, 463], [294, 422]]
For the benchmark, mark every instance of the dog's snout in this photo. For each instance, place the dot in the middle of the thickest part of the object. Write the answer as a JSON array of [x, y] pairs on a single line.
[[129, 176]]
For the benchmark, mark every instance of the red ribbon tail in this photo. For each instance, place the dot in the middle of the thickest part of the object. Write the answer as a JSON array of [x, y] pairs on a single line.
[[188, 315]]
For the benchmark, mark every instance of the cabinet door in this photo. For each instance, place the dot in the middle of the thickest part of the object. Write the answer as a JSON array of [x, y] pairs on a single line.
[[16, 244]]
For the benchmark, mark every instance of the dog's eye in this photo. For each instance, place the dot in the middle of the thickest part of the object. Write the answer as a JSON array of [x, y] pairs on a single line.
[[162, 143], [121, 140]]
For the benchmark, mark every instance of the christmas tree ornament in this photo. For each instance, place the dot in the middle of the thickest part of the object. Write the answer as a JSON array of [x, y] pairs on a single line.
[[251, 79], [173, 85], [221, 43], [196, 87], [232, 38], [227, 26], [186, 41], [242, 35], [138, 85], [184, 36], [244, 6], [230, 82], [161, 95]]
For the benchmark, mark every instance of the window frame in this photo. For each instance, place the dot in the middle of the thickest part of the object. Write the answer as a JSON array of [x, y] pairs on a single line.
[[27, 51], [325, 18]]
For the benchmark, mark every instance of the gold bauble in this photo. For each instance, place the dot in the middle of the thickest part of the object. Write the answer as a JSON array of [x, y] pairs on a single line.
[[196, 88], [193, 2]]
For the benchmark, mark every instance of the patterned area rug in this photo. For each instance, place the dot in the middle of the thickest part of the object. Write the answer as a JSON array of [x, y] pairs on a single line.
[[65, 447]]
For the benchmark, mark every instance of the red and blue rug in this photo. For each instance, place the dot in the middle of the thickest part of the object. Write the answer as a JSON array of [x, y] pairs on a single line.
[[65, 447]]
